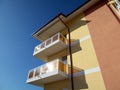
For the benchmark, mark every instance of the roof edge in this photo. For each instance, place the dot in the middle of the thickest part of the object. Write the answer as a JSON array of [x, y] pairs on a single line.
[[61, 14]]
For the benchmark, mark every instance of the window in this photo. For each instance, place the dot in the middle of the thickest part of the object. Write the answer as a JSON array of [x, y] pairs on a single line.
[[64, 59]]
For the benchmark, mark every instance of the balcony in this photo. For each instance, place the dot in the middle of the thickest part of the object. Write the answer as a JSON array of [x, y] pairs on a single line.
[[51, 29], [50, 46], [115, 5], [118, 5], [49, 72]]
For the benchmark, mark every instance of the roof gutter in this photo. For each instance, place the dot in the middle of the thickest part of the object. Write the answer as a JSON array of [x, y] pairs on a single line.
[[70, 51]]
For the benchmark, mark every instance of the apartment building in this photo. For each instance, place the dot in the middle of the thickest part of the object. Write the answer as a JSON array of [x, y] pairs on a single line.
[[81, 50]]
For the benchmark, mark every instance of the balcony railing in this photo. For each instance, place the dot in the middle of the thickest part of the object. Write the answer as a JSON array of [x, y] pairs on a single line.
[[50, 46], [49, 72], [117, 4]]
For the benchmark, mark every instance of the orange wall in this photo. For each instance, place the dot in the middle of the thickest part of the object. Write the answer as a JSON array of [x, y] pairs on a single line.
[[104, 28]]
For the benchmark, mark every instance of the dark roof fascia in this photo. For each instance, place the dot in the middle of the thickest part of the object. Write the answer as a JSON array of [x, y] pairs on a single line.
[[78, 8], [62, 15], [48, 23]]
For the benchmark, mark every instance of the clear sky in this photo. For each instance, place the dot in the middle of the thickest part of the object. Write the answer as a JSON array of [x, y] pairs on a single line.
[[18, 20]]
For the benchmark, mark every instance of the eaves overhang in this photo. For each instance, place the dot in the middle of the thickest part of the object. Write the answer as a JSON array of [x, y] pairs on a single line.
[[55, 25]]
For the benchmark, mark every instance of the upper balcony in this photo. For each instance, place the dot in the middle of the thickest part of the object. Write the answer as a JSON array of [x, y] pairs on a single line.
[[115, 5], [118, 5], [50, 46], [50, 29], [49, 72]]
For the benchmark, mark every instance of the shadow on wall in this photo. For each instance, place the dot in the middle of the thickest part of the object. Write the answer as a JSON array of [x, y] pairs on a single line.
[[96, 7], [78, 23], [79, 82], [75, 48], [79, 78], [79, 74]]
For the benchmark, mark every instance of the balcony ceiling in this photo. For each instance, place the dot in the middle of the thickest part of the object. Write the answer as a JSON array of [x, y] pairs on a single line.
[[50, 29]]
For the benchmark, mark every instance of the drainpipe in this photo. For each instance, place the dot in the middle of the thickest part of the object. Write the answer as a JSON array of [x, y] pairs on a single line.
[[70, 51]]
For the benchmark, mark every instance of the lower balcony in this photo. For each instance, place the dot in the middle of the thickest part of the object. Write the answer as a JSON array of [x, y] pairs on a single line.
[[49, 72], [50, 46]]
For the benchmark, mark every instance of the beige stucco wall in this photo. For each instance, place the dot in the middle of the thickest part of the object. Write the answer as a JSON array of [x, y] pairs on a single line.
[[84, 58]]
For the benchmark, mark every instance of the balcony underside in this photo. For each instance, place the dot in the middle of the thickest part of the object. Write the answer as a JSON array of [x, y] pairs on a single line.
[[50, 29], [50, 50], [44, 79]]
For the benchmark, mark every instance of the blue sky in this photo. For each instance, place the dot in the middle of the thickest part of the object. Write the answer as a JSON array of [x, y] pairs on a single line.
[[18, 20]]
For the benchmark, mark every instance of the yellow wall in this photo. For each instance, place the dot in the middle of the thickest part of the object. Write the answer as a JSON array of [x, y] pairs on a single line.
[[83, 59]]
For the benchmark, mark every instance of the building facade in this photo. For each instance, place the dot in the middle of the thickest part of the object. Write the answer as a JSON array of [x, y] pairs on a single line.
[[95, 34]]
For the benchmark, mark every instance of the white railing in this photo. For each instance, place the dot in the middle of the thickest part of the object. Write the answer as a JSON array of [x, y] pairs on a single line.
[[47, 69], [118, 5], [47, 43]]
